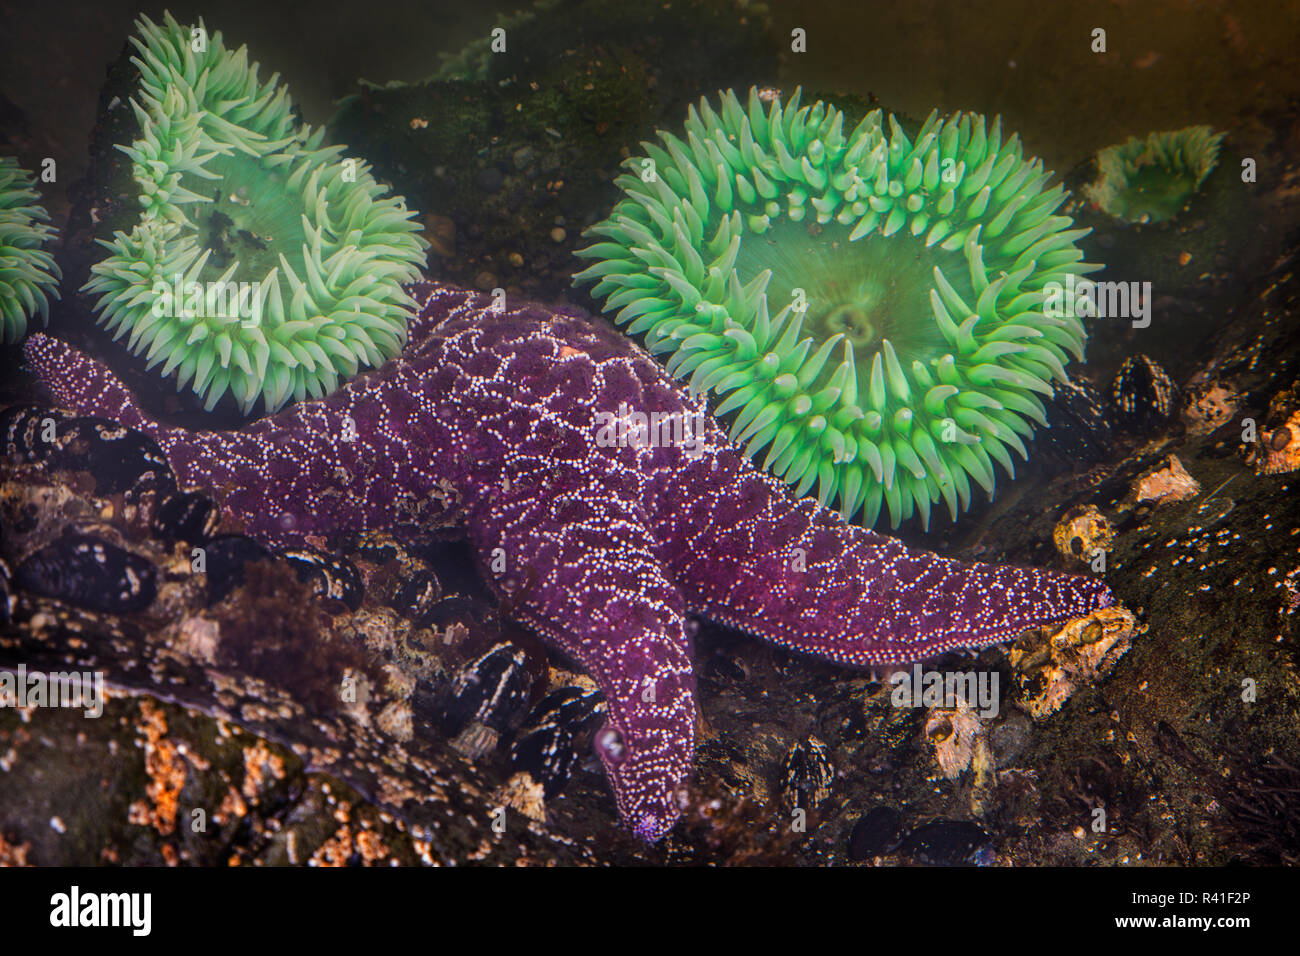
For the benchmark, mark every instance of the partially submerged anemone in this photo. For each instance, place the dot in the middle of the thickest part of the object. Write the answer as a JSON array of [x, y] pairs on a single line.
[[262, 262], [1151, 179], [473, 63], [28, 274], [870, 304]]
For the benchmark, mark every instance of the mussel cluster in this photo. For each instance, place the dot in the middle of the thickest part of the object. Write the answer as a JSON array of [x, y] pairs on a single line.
[[89, 564]]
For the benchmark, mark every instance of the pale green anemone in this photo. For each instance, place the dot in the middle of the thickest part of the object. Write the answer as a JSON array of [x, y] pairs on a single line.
[[870, 304], [1151, 179], [28, 274], [262, 263]]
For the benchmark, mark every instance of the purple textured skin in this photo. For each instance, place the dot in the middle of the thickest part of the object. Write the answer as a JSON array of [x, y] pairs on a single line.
[[488, 419]]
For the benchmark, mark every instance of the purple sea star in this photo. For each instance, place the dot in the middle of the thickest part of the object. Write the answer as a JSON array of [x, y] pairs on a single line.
[[490, 419]]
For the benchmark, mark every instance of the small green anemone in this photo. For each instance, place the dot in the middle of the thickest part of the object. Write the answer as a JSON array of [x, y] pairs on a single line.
[[28, 274], [1151, 179], [238, 197], [869, 304]]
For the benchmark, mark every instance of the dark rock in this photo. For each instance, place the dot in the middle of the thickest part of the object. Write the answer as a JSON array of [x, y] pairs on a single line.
[[1079, 429], [567, 97], [224, 558], [1009, 739], [489, 180], [452, 610]]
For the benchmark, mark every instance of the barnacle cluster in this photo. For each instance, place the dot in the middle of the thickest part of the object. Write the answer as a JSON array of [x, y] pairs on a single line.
[[1051, 664]]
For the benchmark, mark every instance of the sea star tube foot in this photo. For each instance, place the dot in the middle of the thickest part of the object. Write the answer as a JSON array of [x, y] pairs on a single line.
[[492, 418]]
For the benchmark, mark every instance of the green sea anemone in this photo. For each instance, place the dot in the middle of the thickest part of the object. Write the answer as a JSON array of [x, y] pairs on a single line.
[[28, 275], [1151, 179], [261, 262], [869, 304], [474, 62]]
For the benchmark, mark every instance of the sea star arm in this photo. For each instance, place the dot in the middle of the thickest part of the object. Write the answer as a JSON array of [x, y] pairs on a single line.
[[748, 553], [579, 566], [310, 470]]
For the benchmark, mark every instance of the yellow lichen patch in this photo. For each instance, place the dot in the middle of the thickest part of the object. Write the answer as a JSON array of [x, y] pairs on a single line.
[[1081, 533], [166, 771]]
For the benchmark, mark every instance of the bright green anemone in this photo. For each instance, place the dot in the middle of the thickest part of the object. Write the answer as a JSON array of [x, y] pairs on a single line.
[[1151, 179], [918, 355], [238, 196], [28, 274]]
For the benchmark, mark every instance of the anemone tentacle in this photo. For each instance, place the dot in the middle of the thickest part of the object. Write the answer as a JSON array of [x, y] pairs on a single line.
[[868, 304], [28, 273], [239, 197]]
